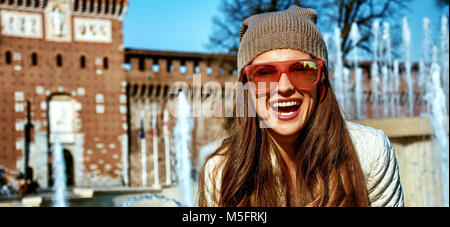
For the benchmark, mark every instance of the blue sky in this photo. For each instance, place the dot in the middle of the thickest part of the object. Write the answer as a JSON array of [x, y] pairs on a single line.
[[181, 25], [176, 25]]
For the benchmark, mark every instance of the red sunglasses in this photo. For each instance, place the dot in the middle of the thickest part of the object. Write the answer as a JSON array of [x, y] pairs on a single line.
[[303, 74]]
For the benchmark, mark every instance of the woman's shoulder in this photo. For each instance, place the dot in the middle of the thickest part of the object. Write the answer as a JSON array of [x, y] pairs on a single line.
[[371, 144], [359, 130], [379, 164], [367, 138]]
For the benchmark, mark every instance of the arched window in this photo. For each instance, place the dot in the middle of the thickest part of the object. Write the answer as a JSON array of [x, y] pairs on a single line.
[[106, 7], [114, 7], [83, 62], [84, 6], [8, 57], [99, 6], [59, 62], [91, 9], [34, 59], [76, 5], [105, 63]]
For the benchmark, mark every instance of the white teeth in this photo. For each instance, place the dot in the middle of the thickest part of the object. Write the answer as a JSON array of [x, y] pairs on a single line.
[[287, 114], [285, 104]]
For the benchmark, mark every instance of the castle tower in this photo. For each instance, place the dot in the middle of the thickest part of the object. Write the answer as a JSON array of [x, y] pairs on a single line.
[[64, 57]]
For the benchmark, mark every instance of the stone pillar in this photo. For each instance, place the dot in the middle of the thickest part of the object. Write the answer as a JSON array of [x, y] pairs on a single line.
[[162, 65], [215, 66], [176, 67], [189, 67], [134, 64], [148, 65], [202, 65]]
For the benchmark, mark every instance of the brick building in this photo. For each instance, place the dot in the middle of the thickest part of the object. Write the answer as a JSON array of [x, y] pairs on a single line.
[[65, 57]]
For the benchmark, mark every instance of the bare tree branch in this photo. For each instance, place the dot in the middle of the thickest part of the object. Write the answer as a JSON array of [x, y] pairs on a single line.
[[341, 13]]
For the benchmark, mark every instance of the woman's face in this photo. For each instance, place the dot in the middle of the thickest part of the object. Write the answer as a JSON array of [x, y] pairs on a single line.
[[295, 106]]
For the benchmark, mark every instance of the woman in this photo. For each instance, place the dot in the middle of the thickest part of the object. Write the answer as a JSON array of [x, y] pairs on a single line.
[[306, 154]]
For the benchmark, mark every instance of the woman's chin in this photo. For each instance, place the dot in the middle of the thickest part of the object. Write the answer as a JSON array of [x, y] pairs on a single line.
[[285, 128]]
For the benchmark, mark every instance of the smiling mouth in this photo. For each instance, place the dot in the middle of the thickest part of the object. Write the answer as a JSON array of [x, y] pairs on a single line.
[[286, 109]]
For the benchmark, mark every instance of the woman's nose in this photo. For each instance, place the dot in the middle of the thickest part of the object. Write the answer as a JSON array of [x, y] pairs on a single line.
[[284, 85]]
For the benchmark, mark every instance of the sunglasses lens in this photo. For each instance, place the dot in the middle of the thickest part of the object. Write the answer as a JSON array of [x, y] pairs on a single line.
[[264, 75], [304, 73]]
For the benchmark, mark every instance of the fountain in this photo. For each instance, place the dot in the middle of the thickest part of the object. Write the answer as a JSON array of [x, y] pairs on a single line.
[[375, 76], [338, 68], [425, 62], [355, 37], [406, 37], [143, 152], [182, 143], [155, 147], [444, 55], [406, 102], [387, 64], [384, 90], [167, 146], [395, 93], [347, 91], [59, 174], [436, 100]]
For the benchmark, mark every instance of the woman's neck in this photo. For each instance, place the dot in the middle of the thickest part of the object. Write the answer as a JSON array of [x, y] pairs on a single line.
[[286, 144]]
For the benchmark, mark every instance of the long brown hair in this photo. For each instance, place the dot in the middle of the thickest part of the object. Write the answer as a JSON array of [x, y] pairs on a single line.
[[327, 169]]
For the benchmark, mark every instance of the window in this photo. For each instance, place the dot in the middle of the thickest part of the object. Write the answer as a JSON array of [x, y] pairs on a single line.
[[196, 68], [83, 62], [106, 7], [84, 6], [34, 59], [91, 8], [141, 64], [209, 70], [76, 4], [99, 5], [169, 66], [105, 63], [114, 8], [127, 67], [183, 69], [155, 67], [8, 57], [59, 60]]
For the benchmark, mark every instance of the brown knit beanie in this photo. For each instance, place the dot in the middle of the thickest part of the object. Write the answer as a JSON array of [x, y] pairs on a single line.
[[294, 28]]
